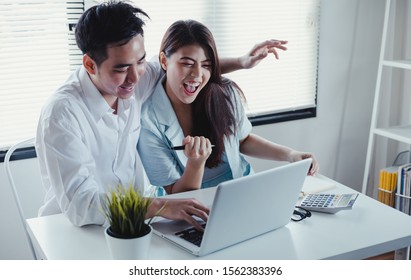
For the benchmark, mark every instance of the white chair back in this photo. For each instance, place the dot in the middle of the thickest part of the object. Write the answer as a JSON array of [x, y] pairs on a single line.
[[26, 186]]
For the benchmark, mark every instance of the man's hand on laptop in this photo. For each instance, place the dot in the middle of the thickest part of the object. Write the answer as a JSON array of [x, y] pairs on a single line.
[[182, 209]]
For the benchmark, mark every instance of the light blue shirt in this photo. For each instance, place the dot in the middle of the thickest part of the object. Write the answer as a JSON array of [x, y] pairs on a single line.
[[160, 131]]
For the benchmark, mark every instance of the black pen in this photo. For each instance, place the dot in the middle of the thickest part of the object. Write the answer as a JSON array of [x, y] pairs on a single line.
[[179, 148]]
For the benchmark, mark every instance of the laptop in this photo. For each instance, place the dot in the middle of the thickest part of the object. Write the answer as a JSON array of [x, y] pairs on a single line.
[[243, 208]]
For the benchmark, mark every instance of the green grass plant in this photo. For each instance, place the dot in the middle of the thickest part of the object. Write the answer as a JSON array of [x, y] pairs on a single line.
[[126, 210]]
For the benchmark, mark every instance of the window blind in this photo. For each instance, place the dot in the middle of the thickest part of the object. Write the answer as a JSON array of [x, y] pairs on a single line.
[[37, 53], [273, 86]]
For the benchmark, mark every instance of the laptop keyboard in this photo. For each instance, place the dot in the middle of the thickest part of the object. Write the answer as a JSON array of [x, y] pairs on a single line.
[[192, 235]]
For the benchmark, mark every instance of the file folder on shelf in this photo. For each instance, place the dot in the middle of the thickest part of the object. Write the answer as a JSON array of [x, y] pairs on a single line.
[[403, 193]]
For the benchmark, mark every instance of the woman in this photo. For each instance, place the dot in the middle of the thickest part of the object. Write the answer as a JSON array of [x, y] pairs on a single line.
[[194, 106]]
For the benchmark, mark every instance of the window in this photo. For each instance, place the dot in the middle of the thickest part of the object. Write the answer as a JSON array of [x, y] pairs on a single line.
[[38, 51], [286, 87]]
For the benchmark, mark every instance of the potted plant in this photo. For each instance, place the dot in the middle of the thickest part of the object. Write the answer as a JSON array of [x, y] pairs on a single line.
[[129, 233]]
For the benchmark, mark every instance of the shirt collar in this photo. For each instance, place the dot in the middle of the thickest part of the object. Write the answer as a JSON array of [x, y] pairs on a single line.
[[95, 102], [166, 116], [164, 110]]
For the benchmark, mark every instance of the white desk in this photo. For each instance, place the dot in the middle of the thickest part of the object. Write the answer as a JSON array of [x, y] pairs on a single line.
[[369, 229]]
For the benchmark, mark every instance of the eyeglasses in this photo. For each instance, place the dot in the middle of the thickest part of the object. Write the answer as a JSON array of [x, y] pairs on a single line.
[[300, 214]]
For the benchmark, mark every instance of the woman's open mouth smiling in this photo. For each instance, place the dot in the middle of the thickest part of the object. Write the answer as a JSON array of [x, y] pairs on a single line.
[[191, 88]]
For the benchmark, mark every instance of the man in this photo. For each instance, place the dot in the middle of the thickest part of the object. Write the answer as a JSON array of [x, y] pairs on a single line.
[[88, 129]]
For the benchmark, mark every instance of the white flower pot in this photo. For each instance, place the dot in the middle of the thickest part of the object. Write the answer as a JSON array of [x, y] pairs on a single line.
[[136, 248]]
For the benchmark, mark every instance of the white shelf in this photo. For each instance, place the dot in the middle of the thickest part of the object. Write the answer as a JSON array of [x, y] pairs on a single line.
[[399, 133], [402, 133], [403, 64]]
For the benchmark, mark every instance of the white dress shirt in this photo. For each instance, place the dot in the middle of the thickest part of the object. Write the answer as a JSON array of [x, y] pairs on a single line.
[[84, 149]]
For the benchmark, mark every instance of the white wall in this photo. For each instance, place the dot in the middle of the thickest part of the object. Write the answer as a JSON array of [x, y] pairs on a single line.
[[349, 50]]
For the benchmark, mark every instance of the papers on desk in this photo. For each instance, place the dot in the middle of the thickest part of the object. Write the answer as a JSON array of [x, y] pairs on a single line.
[[314, 184]]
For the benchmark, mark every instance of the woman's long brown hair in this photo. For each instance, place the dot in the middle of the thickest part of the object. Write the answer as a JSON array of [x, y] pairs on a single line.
[[213, 109]]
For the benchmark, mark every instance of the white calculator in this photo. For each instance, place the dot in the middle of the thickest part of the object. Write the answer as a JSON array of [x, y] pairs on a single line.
[[328, 203]]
